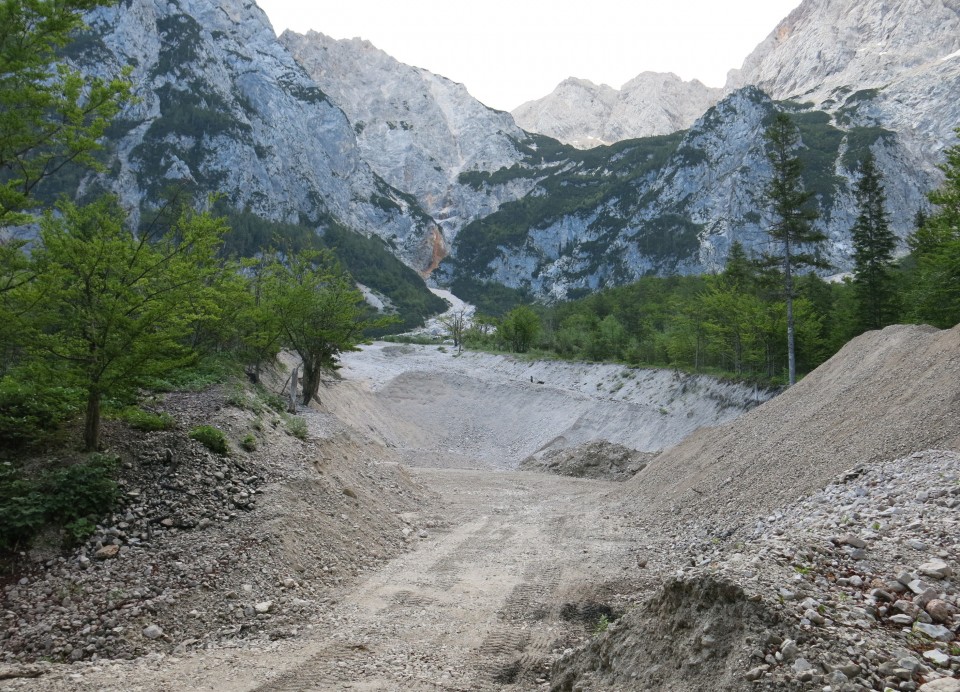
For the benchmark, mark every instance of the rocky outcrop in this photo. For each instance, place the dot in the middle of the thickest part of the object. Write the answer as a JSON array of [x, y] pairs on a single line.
[[417, 130], [224, 108], [583, 114], [896, 65]]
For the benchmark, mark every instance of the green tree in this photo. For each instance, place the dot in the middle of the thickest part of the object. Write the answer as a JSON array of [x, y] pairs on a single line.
[[873, 246], [520, 327], [792, 234], [109, 309], [936, 251], [319, 309], [51, 116]]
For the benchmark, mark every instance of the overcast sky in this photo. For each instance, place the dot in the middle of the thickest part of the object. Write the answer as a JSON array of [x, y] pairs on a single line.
[[510, 51]]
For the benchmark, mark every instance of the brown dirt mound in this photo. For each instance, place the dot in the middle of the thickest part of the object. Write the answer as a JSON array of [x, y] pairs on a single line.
[[884, 395], [599, 460]]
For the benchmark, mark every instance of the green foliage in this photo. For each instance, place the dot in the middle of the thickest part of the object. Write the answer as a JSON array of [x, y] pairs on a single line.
[[319, 311], [138, 419], [368, 259], [296, 426], [211, 437], [519, 328], [873, 247], [30, 413], [249, 442], [73, 497], [934, 293], [111, 309], [51, 116], [792, 234]]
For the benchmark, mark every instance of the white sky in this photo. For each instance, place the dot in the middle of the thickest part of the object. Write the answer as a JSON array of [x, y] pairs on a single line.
[[510, 51]]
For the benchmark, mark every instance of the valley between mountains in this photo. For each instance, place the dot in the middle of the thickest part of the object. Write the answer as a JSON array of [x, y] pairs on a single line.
[[808, 542]]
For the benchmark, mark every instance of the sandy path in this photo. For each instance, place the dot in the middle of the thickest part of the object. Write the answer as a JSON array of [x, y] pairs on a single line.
[[478, 605], [516, 565]]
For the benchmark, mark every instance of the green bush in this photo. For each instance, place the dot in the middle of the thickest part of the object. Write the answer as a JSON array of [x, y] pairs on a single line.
[[249, 443], [297, 427], [210, 437], [29, 414], [138, 419], [72, 497]]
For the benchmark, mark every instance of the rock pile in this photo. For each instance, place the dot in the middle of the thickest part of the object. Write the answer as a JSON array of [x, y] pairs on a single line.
[[207, 549], [855, 589]]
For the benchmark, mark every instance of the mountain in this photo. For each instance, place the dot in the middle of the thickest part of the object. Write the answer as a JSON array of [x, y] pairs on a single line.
[[873, 62], [337, 135], [583, 114], [224, 108], [421, 132], [674, 204]]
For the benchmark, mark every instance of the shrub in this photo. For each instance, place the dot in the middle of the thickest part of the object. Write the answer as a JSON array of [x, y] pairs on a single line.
[[210, 437], [297, 427], [249, 443], [28, 413], [138, 419], [73, 497]]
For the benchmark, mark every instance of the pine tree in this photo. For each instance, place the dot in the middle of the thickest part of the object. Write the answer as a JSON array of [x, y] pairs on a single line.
[[873, 246], [792, 235], [936, 250]]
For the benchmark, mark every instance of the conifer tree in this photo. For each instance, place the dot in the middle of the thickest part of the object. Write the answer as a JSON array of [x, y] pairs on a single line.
[[873, 246], [793, 237]]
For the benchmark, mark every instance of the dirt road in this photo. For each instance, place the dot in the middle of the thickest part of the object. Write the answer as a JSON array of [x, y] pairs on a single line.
[[519, 564]]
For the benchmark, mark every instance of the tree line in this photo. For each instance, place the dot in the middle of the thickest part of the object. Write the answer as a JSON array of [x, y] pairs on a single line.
[[765, 316]]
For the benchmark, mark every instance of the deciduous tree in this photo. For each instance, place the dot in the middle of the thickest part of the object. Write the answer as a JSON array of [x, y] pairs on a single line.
[[110, 308]]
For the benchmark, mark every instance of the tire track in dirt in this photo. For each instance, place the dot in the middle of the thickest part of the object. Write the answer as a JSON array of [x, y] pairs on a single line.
[[477, 605]]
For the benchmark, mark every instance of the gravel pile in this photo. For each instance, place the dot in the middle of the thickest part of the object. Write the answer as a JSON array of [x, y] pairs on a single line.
[[852, 588], [209, 550]]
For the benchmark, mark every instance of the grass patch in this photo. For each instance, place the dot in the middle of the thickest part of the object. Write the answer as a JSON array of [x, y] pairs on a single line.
[[210, 437]]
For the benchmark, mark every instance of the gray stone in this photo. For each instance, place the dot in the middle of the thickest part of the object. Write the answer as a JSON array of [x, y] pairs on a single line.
[[935, 569], [263, 607], [937, 657], [152, 632], [901, 619], [789, 650], [942, 685], [855, 542], [940, 611], [938, 632]]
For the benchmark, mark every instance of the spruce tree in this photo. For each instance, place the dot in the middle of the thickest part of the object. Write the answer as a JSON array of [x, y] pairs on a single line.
[[873, 246], [792, 235]]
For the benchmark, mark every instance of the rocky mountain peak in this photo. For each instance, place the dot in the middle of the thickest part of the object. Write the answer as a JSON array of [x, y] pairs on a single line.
[[419, 131], [826, 44], [586, 115]]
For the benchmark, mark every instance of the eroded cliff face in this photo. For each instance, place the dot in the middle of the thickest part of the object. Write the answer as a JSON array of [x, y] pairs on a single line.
[[875, 62], [584, 114], [224, 108], [419, 131]]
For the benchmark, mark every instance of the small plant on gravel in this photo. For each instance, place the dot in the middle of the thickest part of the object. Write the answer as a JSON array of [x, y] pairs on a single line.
[[297, 427], [603, 624], [138, 419], [249, 443], [271, 400], [238, 399], [210, 437]]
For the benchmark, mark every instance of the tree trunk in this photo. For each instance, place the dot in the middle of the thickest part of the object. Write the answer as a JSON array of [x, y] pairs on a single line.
[[311, 382], [91, 430], [294, 376]]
